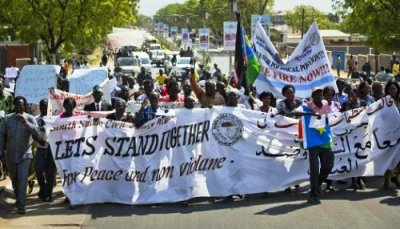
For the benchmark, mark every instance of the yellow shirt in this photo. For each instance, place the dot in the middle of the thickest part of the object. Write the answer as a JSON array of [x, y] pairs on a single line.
[[161, 78], [396, 68]]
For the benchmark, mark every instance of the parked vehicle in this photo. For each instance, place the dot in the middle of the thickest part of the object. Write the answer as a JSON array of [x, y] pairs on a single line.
[[144, 61], [156, 54], [129, 65], [159, 57], [180, 71]]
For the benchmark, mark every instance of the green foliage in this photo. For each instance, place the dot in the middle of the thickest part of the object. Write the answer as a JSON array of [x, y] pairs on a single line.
[[294, 18], [206, 60], [218, 12], [75, 24], [145, 22], [377, 20]]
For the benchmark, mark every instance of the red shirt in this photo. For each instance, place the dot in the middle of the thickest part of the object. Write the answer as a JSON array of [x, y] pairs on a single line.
[[180, 99], [163, 90]]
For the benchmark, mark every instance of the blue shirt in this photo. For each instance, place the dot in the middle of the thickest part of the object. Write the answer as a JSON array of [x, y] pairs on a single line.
[[148, 114], [367, 101], [341, 99]]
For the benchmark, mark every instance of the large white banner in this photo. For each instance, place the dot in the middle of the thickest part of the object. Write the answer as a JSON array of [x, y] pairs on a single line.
[[230, 28], [211, 152], [35, 80], [307, 67]]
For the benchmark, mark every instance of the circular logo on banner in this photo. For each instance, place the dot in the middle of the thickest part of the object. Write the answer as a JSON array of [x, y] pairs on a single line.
[[315, 38], [227, 129]]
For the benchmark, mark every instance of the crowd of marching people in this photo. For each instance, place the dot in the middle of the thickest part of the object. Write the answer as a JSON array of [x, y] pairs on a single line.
[[24, 150]]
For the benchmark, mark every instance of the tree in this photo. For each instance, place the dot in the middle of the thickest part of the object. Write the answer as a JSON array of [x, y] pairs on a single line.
[[144, 21], [294, 18], [264, 5], [218, 11], [74, 24], [377, 20]]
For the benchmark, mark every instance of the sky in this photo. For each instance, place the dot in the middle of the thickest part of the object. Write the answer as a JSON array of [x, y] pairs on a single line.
[[150, 7]]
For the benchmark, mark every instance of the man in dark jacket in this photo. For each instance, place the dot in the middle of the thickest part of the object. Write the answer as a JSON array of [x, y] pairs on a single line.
[[16, 133], [98, 104]]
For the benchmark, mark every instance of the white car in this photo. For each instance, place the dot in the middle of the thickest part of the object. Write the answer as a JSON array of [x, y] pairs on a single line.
[[129, 65], [156, 54], [145, 61], [181, 67], [157, 57], [154, 47]]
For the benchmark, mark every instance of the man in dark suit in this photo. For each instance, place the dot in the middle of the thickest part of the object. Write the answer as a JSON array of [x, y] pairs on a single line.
[[98, 104]]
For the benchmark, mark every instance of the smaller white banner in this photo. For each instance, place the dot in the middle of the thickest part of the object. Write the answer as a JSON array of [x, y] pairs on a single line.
[[204, 38], [174, 31], [230, 28], [57, 97], [35, 80], [185, 37], [11, 72], [82, 81], [264, 20]]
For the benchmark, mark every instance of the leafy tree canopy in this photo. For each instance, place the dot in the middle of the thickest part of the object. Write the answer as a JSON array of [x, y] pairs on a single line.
[[218, 12], [377, 20], [72, 24], [294, 18]]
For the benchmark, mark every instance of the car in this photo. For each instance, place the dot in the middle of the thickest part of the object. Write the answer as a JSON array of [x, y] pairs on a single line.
[[155, 46], [148, 41], [144, 61], [156, 54], [132, 48], [181, 68], [159, 57], [129, 65]]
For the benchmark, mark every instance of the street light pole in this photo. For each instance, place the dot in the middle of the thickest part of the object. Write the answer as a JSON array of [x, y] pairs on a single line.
[[302, 23], [205, 18], [234, 9]]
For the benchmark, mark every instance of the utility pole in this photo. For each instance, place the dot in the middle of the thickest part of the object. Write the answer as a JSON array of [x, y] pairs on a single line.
[[302, 23]]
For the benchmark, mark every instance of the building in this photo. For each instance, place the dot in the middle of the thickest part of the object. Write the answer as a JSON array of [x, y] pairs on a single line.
[[17, 54]]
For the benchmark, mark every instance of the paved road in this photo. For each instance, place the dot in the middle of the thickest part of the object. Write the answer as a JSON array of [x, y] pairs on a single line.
[[371, 208]]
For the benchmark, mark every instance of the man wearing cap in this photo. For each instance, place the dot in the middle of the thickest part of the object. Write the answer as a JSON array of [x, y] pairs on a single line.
[[232, 98], [98, 104], [315, 135]]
